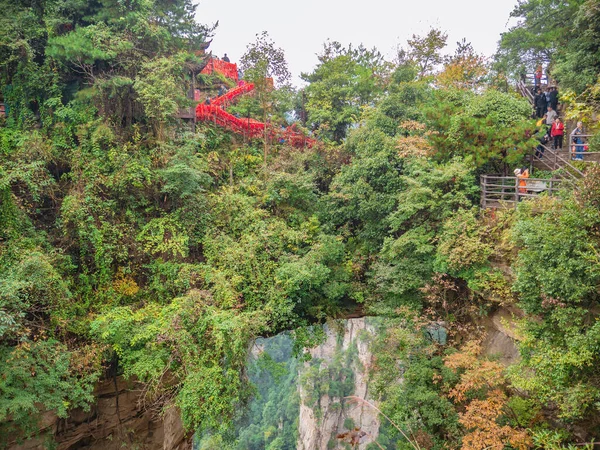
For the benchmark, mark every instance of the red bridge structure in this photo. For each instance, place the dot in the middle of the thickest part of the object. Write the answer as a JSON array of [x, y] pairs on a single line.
[[250, 128]]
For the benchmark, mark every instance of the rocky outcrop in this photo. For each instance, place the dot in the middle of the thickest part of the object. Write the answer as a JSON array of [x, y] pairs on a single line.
[[321, 421], [116, 421], [501, 335]]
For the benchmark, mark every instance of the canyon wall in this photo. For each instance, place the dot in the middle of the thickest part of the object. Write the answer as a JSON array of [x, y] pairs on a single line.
[[116, 421], [338, 369]]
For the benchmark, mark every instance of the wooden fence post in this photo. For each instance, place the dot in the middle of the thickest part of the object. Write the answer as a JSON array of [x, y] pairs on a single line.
[[483, 190]]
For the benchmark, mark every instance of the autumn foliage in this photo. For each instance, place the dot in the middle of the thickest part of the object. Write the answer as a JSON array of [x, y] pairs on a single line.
[[481, 392]]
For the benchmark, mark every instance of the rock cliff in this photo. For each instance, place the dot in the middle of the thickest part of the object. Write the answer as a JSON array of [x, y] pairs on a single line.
[[338, 368], [116, 421]]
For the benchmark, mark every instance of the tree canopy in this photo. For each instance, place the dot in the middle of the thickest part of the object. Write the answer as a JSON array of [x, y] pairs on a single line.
[[133, 245]]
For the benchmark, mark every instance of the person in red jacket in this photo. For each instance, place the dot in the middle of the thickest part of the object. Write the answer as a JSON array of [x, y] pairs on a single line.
[[538, 77], [557, 132]]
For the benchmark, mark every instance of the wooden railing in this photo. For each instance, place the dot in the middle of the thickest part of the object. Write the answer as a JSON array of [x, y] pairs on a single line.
[[584, 154], [497, 191], [554, 160], [525, 91]]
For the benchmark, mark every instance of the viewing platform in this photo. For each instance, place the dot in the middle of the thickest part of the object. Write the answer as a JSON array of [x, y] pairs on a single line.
[[505, 192]]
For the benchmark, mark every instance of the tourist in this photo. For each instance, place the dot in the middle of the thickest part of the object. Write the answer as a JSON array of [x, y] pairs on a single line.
[[543, 140], [553, 100], [577, 141], [226, 58], [547, 94], [549, 117], [522, 176], [540, 104], [221, 90], [557, 132], [538, 76]]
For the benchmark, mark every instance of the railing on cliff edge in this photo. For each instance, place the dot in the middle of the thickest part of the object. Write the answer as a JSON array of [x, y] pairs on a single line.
[[498, 191], [553, 160]]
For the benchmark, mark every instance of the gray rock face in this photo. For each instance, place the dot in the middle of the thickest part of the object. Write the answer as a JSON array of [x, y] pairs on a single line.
[[338, 369], [116, 421], [501, 335]]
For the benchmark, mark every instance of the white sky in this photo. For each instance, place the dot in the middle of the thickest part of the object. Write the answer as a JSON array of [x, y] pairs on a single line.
[[301, 28]]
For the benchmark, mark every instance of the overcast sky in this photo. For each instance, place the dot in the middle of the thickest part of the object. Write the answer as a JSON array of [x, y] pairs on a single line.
[[301, 28]]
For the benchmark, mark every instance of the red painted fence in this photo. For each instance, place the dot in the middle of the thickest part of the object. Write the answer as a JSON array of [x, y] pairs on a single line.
[[248, 127], [224, 68]]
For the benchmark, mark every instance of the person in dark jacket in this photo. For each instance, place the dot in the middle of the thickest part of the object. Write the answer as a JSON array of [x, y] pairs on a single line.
[[540, 104], [543, 140], [554, 98], [226, 58], [547, 94]]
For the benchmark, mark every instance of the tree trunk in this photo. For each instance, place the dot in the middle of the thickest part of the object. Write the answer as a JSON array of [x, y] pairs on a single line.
[[266, 143]]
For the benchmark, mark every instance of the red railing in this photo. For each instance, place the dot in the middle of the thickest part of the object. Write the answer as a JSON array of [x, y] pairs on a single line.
[[229, 70], [230, 95], [250, 128], [217, 115]]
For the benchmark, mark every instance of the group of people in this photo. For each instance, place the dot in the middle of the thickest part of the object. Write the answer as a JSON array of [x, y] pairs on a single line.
[[546, 106], [554, 133], [543, 99]]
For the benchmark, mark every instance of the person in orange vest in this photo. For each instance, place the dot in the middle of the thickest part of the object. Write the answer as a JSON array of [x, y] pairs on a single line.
[[522, 176]]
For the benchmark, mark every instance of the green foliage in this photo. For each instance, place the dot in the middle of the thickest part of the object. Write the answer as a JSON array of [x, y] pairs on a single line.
[[42, 373], [271, 418], [364, 193], [561, 34], [555, 440], [560, 356], [416, 403], [525, 410], [30, 285], [557, 278], [87, 45], [127, 241], [462, 243], [424, 51], [164, 237], [263, 60], [345, 80], [203, 347], [556, 248], [432, 194], [160, 91], [488, 129]]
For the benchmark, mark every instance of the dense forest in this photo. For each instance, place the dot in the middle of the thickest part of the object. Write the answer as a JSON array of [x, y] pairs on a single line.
[[133, 244]]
